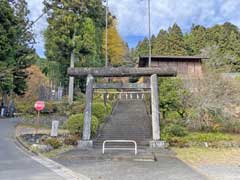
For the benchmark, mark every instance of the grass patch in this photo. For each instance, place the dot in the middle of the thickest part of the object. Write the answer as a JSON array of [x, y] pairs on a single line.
[[199, 139], [208, 137], [201, 156]]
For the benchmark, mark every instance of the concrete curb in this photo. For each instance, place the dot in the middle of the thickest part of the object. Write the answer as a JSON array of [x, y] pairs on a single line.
[[57, 168], [143, 158], [23, 145]]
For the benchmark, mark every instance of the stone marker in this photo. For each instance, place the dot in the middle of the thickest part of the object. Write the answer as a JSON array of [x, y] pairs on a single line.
[[54, 131], [2, 112], [59, 93]]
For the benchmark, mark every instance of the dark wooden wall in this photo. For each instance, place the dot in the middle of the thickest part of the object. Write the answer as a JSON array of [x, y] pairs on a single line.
[[185, 68]]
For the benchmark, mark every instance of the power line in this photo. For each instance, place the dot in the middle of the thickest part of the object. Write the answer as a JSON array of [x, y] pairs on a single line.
[[38, 18]]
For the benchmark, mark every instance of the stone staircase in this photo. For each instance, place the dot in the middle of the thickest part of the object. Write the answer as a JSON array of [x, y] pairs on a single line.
[[129, 121]]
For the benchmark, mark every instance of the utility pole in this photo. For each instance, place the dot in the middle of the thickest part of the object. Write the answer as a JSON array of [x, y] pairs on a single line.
[[106, 51], [149, 36], [71, 79]]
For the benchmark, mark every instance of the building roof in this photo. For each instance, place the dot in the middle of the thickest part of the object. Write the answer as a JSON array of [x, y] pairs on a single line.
[[173, 57], [144, 59]]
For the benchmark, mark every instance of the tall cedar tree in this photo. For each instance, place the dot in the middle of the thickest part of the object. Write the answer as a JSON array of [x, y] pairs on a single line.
[[142, 48], [7, 42], [196, 40], [176, 45], [15, 52], [24, 51], [74, 26], [160, 44]]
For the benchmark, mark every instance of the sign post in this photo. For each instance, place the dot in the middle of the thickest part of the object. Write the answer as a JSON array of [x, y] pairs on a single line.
[[39, 106]]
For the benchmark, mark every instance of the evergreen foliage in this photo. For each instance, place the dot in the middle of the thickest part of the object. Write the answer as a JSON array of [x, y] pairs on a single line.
[[221, 43], [16, 52], [7, 38], [75, 124], [74, 26], [24, 52]]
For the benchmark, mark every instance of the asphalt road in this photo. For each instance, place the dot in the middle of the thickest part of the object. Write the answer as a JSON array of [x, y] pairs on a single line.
[[15, 164]]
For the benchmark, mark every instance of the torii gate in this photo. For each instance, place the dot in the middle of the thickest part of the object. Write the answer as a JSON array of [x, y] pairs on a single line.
[[90, 73]]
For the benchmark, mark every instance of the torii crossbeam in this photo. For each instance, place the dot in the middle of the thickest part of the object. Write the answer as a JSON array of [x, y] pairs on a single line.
[[121, 72]]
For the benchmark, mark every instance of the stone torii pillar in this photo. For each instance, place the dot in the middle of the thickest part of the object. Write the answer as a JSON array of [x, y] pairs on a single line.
[[155, 143], [86, 141], [155, 108]]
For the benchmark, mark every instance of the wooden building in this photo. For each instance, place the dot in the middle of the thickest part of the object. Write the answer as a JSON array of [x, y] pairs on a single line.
[[186, 66]]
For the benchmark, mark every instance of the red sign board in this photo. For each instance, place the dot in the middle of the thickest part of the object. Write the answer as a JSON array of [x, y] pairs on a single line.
[[39, 105]]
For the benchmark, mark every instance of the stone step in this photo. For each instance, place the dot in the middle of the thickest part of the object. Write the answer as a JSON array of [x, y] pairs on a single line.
[[126, 136], [122, 145], [137, 140], [113, 131], [121, 137], [128, 122]]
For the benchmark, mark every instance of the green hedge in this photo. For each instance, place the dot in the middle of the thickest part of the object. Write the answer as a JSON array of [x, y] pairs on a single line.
[[76, 108], [25, 107], [75, 124], [174, 130], [101, 111]]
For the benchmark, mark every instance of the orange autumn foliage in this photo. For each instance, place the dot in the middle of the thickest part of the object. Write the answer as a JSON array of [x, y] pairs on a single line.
[[35, 79]]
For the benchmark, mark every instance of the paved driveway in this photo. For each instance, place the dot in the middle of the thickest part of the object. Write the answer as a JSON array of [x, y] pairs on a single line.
[[14, 163], [166, 168]]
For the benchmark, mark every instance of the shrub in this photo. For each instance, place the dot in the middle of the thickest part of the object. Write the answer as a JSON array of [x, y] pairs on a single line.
[[71, 140], [75, 124], [79, 96], [173, 116], [99, 110], [62, 108], [232, 127], [109, 109], [25, 107], [174, 130], [50, 107], [178, 142], [76, 108], [54, 142]]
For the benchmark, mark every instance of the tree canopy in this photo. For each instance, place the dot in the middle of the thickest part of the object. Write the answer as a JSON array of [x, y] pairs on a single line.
[[16, 51], [116, 46], [221, 43], [74, 26]]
